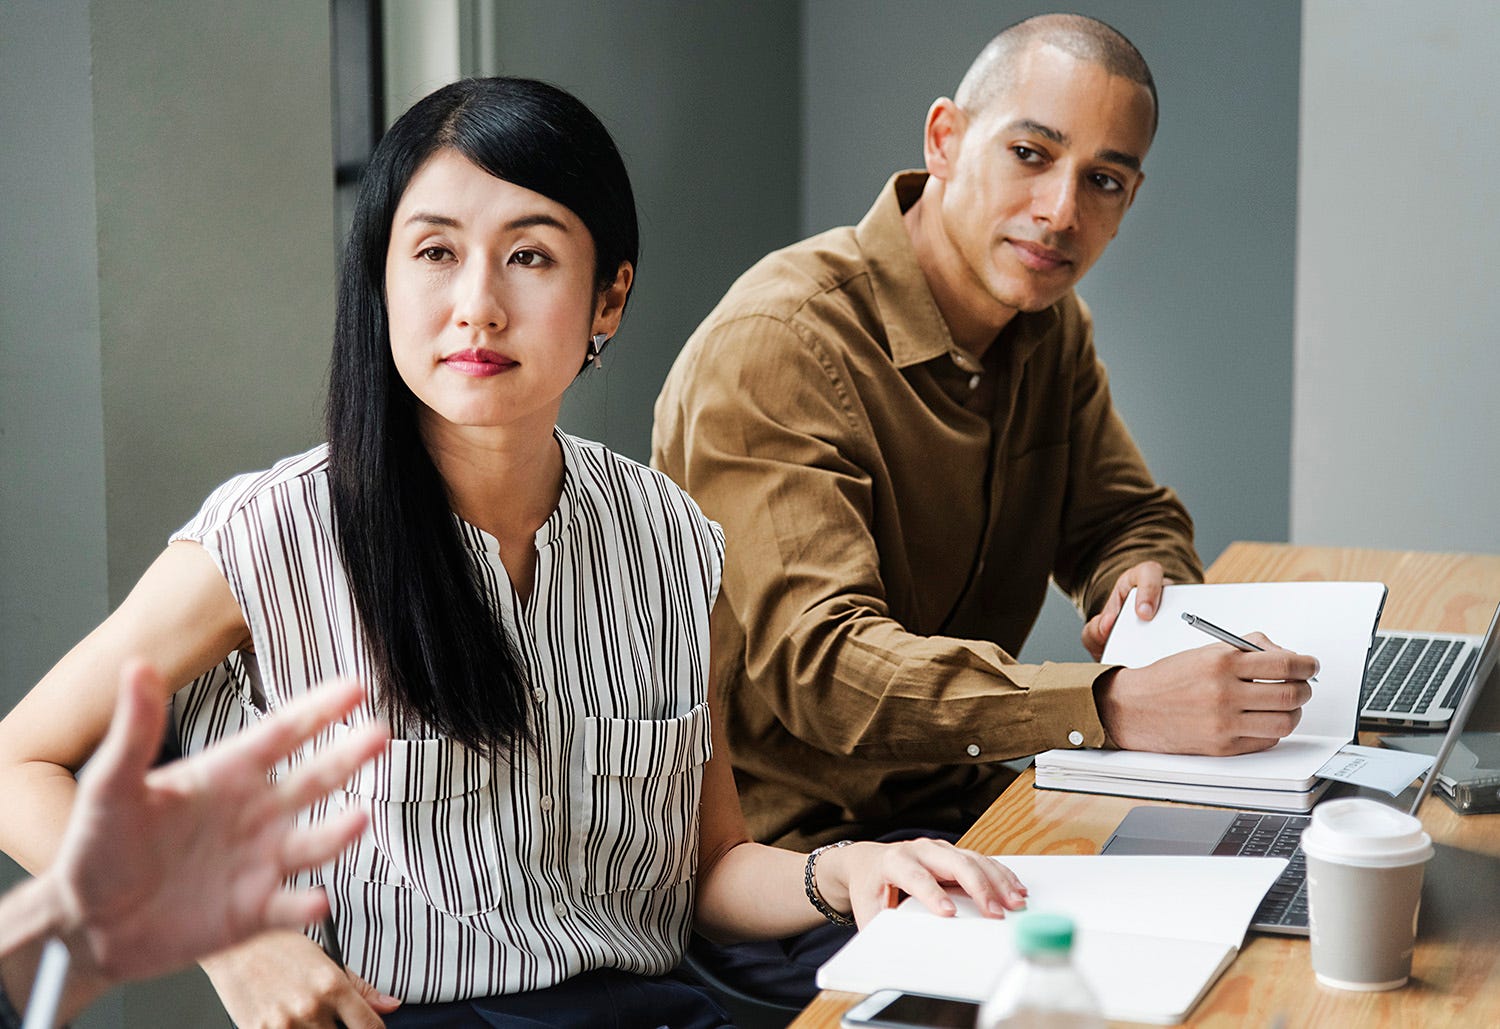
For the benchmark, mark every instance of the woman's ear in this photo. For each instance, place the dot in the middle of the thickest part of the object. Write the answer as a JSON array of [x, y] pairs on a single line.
[[611, 302]]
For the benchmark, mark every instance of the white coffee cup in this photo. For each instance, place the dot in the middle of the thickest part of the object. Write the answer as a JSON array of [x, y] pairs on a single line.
[[1364, 888]]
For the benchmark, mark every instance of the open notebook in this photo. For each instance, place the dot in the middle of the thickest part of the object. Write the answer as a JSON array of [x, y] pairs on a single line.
[[1148, 829], [1333, 621], [1152, 933]]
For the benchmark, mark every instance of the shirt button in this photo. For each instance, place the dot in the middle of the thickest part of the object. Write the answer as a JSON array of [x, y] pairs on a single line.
[[972, 750], [561, 909], [1076, 738], [546, 803]]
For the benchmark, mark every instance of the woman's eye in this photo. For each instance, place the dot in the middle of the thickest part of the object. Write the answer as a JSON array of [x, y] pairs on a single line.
[[527, 258], [433, 254]]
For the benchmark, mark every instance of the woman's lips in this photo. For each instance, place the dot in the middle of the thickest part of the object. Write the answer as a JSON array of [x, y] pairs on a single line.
[[478, 363]]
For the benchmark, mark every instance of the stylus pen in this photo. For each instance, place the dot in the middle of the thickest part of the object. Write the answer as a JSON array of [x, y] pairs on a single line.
[[47, 986], [1225, 636]]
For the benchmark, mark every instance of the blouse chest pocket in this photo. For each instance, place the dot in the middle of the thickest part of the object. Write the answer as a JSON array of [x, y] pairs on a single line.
[[646, 779], [432, 825]]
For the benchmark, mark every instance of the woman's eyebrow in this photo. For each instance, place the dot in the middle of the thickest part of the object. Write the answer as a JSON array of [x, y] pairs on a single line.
[[526, 221], [529, 220], [433, 219]]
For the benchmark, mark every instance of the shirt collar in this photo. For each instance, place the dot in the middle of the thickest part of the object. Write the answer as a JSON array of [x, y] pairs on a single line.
[[914, 326], [557, 522]]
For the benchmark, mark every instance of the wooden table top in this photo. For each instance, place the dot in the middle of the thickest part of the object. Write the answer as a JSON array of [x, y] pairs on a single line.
[[1456, 966]]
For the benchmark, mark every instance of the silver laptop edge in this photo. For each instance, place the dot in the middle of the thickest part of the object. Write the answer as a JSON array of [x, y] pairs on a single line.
[[1488, 652]]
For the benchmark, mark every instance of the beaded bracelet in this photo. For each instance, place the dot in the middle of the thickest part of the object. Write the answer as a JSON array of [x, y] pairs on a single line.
[[810, 884]]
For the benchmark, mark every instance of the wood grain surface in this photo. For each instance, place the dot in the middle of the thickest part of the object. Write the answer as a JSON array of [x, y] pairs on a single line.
[[1456, 966]]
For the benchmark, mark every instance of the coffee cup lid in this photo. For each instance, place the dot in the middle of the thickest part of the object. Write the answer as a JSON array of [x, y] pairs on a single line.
[[1363, 832]]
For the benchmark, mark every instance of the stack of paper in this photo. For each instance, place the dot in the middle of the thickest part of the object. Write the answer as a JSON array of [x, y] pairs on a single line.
[[1152, 933], [1333, 621]]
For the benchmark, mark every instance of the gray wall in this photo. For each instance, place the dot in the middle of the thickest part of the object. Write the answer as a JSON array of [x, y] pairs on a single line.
[[1397, 443], [216, 242], [167, 287], [703, 100], [52, 539], [1193, 301], [52, 525]]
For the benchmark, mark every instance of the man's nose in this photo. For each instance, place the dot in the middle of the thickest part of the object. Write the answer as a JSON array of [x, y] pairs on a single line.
[[1056, 200]]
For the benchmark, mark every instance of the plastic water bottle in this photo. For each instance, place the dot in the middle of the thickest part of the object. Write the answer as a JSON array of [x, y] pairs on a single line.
[[1043, 989]]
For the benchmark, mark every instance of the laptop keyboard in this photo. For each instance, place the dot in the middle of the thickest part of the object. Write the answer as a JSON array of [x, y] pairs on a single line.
[[1255, 835], [1407, 671]]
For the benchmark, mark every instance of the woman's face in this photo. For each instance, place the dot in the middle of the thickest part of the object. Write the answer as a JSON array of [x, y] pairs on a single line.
[[490, 296]]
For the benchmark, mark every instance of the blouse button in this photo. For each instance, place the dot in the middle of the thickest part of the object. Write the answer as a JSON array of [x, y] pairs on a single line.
[[1076, 738], [546, 803], [539, 694], [561, 909]]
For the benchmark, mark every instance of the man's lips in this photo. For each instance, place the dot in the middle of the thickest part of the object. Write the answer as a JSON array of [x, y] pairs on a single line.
[[478, 362], [1037, 257]]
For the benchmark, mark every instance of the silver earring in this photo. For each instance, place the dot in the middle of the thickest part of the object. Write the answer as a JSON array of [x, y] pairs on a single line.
[[596, 348]]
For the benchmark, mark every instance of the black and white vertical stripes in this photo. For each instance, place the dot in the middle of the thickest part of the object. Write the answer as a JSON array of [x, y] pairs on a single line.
[[483, 876]]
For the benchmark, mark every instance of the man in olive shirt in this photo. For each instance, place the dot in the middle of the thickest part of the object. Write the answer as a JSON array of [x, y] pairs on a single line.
[[904, 430]]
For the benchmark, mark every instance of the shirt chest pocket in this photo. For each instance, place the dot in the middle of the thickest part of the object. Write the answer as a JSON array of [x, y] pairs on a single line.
[[432, 825], [645, 778]]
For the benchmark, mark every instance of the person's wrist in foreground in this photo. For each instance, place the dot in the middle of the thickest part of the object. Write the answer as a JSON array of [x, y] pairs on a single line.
[[32, 913]]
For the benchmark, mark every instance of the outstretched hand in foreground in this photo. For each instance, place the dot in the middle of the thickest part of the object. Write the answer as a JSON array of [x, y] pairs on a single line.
[[158, 867]]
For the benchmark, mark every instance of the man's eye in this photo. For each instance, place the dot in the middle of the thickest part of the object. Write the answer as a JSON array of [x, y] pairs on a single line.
[[1025, 153], [1107, 183]]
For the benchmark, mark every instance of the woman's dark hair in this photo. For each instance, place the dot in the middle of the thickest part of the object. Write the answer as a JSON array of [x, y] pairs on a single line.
[[440, 654]]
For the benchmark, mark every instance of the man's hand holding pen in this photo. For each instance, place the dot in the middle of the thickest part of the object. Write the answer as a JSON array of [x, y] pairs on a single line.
[[1215, 700]]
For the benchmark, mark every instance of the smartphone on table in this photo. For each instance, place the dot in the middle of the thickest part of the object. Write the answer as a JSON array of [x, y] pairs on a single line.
[[894, 1009]]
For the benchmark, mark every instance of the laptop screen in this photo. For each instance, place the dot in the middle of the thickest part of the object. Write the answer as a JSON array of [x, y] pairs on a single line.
[[1488, 650]]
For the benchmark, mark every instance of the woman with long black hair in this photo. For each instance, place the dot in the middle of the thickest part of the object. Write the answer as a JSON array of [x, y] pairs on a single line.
[[555, 812]]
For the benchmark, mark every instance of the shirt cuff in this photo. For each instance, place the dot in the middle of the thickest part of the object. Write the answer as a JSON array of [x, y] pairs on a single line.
[[1063, 707]]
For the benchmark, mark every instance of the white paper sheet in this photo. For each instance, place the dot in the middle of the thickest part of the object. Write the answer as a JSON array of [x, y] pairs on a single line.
[[1390, 771], [1332, 621], [1152, 932]]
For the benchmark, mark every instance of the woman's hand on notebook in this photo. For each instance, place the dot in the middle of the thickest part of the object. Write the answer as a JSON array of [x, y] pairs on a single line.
[[859, 877]]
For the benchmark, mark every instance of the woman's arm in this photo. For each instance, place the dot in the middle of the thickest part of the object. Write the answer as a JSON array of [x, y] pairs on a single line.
[[751, 891], [159, 867], [182, 616]]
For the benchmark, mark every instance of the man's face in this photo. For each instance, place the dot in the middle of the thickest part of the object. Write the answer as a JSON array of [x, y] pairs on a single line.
[[1035, 183]]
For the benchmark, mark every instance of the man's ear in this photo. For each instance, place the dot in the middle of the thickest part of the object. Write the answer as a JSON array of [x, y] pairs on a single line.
[[942, 135]]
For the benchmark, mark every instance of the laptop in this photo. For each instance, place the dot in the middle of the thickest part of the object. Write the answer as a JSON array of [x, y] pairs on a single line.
[[1172, 830], [1416, 680]]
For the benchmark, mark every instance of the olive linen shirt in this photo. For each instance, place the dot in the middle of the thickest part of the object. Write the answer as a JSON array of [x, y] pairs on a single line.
[[893, 509]]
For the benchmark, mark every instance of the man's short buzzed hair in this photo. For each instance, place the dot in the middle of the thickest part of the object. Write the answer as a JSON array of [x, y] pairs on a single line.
[[1086, 39]]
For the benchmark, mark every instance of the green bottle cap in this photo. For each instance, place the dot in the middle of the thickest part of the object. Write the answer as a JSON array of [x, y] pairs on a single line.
[[1044, 934]]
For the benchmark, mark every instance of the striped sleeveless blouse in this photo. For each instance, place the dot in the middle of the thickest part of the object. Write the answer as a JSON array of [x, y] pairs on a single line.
[[485, 876]]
